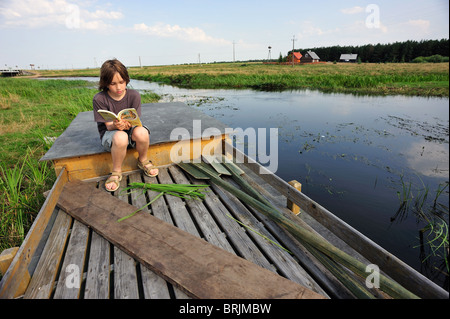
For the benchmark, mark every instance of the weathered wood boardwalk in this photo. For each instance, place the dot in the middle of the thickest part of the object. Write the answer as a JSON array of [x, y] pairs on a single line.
[[108, 272]]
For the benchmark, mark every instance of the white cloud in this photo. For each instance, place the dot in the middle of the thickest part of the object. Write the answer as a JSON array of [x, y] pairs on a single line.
[[42, 13], [191, 34], [353, 10], [102, 14], [308, 29], [423, 24]]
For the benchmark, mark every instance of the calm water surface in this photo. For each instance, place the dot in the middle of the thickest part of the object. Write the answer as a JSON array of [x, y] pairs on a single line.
[[352, 154]]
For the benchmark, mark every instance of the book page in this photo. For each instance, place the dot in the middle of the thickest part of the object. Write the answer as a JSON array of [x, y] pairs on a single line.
[[107, 115], [131, 116]]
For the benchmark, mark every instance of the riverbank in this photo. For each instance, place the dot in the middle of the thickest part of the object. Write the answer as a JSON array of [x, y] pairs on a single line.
[[413, 79]]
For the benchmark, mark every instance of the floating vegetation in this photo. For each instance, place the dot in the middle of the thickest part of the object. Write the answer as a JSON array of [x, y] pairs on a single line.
[[306, 147], [433, 132], [191, 100]]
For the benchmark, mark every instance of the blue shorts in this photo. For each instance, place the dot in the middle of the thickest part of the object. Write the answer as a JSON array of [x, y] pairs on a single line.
[[108, 137]]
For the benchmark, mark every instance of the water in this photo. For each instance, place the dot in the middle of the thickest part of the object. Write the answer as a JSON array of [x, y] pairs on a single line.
[[354, 155]]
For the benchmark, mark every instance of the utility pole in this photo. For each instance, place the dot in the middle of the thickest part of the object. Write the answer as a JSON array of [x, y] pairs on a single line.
[[140, 63], [234, 59], [293, 41]]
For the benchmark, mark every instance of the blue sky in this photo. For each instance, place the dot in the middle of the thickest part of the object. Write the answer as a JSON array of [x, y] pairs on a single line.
[[84, 33]]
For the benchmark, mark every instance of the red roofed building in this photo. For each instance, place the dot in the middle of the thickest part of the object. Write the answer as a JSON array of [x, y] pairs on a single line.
[[297, 57]]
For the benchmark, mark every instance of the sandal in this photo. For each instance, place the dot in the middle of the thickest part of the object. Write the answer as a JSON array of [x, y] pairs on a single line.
[[114, 180], [142, 166]]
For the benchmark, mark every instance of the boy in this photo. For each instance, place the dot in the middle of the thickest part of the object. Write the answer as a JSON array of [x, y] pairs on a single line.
[[117, 136]]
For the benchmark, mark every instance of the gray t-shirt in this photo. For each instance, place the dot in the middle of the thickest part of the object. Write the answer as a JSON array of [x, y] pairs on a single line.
[[102, 101]]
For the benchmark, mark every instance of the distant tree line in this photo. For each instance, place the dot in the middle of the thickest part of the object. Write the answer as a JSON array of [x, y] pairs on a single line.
[[405, 51]]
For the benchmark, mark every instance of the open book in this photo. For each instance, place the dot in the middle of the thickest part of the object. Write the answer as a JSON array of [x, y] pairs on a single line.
[[130, 115]]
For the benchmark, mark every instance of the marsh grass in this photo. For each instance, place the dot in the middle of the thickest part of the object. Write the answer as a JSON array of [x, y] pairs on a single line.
[[21, 189], [33, 113], [427, 79], [433, 237]]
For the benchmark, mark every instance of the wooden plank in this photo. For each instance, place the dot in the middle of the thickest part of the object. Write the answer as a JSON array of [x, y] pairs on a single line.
[[160, 210], [206, 223], [81, 167], [154, 287], [73, 265], [99, 268], [237, 234], [180, 214], [200, 269], [41, 284], [290, 205], [125, 278], [6, 258], [283, 261], [17, 278]]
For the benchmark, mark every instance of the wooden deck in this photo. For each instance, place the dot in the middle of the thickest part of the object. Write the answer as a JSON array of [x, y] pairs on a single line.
[[107, 272]]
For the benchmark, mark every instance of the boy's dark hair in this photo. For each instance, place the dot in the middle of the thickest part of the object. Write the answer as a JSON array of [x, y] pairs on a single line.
[[107, 72]]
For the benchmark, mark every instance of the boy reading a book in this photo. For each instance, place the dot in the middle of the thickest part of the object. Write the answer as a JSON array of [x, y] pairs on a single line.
[[116, 136]]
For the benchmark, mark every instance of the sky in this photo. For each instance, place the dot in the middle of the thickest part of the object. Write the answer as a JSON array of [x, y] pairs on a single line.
[[65, 34]]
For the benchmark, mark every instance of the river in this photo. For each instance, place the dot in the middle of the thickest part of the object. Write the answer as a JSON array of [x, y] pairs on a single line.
[[358, 156]]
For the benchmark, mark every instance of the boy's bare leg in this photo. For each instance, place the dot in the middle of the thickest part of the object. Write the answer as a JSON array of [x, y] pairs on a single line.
[[142, 139], [118, 153]]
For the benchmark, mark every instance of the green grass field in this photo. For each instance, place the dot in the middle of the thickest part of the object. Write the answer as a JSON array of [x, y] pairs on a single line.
[[417, 79]]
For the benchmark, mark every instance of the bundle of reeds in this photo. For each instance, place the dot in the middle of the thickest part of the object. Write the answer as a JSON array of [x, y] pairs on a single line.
[[179, 190]]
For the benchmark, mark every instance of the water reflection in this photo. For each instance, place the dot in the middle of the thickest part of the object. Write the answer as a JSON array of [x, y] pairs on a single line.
[[428, 159]]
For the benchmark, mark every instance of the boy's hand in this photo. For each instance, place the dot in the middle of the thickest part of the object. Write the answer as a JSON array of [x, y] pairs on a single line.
[[122, 125]]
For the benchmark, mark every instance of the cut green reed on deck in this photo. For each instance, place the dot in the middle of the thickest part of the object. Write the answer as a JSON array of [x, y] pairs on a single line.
[[185, 191]]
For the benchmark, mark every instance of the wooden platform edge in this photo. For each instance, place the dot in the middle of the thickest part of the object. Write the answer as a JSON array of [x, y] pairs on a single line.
[[17, 278], [6, 257], [198, 268]]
